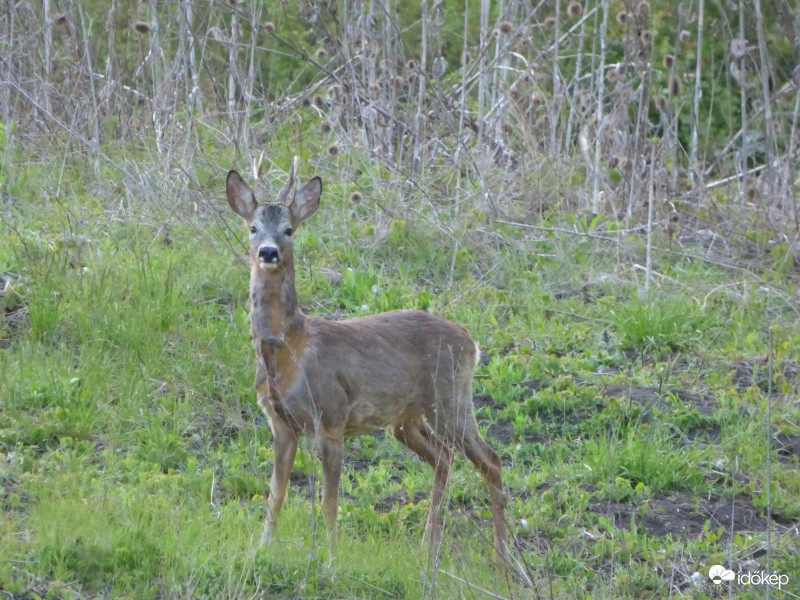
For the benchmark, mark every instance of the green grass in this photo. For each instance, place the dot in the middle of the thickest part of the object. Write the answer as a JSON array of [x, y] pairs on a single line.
[[663, 327], [134, 458], [643, 437]]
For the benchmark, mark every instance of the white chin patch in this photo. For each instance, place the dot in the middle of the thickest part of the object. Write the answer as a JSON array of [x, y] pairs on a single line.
[[266, 266]]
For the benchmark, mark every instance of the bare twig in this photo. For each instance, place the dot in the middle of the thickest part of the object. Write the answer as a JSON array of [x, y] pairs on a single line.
[[472, 585], [599, 113], [694, 172]]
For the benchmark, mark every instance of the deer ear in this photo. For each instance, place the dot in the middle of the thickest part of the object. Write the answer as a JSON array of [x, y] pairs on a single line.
[[240, 196], [306, 201]]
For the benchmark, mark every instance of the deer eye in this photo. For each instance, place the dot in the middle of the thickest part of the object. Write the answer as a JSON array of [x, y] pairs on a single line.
[[288, 232], [253, 229]]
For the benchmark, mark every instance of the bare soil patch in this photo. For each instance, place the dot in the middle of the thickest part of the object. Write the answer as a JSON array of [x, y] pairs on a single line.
[[755, 372], [498, 432], [788, 448], [682, 515]]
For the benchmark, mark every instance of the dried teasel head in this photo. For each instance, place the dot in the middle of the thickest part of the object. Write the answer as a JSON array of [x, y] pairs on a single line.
[[550, 23], [505, 27], [524, 44], [647, 37], [684, 36], [333, 150], [674, 87], [321, 54], [674, 225], [575, 10], [643, 8], [60, 20], [738, 47], [669, 61], [623, 18], [269, 27], [141, 27], [356, 197]]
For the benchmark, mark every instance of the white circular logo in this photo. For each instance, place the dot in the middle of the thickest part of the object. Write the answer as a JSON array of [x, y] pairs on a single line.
[[718, 574]]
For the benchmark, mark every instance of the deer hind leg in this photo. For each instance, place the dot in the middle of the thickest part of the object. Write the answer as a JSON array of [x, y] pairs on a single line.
[[332, 452], [488, 463], [284, 442], [417, 436]]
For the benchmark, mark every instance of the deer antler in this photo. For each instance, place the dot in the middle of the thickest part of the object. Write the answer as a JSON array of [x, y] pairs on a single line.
[[284, 193], [258, 172], [257, 166]]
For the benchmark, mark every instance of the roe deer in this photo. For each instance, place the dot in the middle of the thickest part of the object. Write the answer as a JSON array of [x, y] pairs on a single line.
[[406, 371]]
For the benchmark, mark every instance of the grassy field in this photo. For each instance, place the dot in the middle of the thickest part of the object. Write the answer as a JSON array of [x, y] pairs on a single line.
[[634, 433], [599, 195]]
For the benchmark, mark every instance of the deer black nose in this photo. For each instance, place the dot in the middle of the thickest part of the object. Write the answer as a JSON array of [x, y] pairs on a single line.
[[268, 254]]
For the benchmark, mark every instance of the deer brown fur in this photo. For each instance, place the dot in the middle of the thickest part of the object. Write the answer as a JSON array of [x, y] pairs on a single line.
[[407, 371]]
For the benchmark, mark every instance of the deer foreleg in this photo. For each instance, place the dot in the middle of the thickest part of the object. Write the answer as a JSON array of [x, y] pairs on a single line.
[[284, 442]]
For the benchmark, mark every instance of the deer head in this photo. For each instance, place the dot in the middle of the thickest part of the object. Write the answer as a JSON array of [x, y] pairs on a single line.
[[273, 225]]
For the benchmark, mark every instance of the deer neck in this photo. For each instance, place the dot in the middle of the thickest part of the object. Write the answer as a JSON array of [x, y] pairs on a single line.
[[275, 312]]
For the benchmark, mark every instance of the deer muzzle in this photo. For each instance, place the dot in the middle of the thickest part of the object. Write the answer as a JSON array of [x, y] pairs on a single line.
[[268, 257]]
